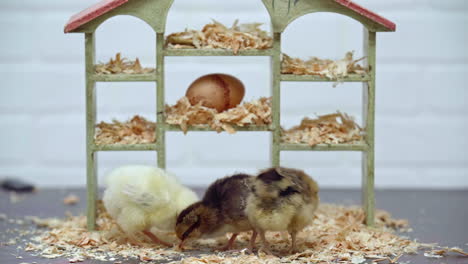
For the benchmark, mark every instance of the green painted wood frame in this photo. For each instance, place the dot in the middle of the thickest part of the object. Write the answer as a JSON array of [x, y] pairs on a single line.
[[282, 13]]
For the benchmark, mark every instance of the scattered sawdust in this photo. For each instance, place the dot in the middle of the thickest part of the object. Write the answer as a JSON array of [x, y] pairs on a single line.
[[71, 199], [322, 67], [121, 65], [217, 35], [137, 130], [257, 112], [335, 128], [337, 235], [16, 197]]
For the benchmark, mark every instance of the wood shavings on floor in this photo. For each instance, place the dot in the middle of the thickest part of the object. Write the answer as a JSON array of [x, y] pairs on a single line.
[[71, 199], [337, 235], [137, 130], [121, 65], [335, 128], [183, 114], [217, 36], [322, 67]]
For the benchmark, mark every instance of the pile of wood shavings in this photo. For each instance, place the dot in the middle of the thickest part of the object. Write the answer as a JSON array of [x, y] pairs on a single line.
[[322, 67], [137, 130], [337, 235], [121, 65], [257, 112], [335, 128], [70, 239], [217, 35]]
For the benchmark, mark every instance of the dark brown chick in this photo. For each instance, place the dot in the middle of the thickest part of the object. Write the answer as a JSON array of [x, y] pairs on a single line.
[[221, 210], [282, 199]]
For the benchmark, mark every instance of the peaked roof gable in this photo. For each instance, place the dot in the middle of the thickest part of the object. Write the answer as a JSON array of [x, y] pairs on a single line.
[[367, 13], [91, 13], [105, 6]]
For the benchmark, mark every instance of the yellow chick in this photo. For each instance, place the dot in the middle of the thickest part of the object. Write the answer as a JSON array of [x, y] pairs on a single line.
[[282, 199], [143, 197]]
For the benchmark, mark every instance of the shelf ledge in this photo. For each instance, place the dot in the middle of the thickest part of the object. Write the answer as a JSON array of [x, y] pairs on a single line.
[[216, 52], [316, 78], [324, 147], [147, 77], [125, 147], [209, 129]]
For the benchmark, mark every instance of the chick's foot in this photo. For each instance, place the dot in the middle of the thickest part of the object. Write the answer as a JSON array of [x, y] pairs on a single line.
[[155, 239], [252, 242], [230, 244]]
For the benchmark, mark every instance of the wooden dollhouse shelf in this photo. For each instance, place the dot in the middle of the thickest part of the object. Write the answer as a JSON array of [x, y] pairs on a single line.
[[316, 78], [208, 128], [282, 13], [324, 147], [216, 52], [147, 77], [125, 147]]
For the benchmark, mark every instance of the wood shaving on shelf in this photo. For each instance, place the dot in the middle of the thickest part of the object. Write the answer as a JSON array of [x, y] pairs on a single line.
[[71, 199], [137, 130], [335, 128], [183, 114], [322, 67], [338, 235], [121, 65], [217, 36]]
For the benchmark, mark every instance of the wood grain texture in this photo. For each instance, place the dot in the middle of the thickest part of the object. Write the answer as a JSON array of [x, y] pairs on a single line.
[[160, 101], [91, 157], [276, 101], [126, 147], [147, 77], [324, 147], [368, 100], [316, 78], [216, 52]]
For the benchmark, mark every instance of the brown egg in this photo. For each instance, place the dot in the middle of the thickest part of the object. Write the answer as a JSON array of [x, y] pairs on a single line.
[[219, 91]]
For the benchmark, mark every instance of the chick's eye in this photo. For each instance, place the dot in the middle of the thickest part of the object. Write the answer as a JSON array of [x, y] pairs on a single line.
[[288, 191]]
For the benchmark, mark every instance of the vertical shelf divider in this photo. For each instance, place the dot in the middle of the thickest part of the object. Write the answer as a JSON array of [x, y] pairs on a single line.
[[160, 100], [276, 99], [91, 155], [368, 100]]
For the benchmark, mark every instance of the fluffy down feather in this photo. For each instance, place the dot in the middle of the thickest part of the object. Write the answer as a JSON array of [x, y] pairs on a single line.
[[282, 199], [141, 197]]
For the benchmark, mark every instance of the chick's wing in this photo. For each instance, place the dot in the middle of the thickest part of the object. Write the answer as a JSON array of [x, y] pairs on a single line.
[[145, 200]]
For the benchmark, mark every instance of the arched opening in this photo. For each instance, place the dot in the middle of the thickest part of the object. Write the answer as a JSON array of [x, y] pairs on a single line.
[[196, 16], [125, 91], [131, 37], [208, 149], [329, 37], [323, 35]]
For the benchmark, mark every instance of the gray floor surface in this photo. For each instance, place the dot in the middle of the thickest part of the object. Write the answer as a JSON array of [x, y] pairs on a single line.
[[435, 215]]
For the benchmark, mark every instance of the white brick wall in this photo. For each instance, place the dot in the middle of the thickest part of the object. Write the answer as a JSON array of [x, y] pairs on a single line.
[[421, 93]]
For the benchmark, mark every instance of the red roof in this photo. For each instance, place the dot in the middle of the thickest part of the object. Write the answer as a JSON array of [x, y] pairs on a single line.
[[91, 13], [367, 13], [105, 6]]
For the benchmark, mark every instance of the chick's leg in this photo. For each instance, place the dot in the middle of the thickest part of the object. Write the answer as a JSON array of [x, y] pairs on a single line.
[[230, 243], [293, 241], [134, 240], [252, 241], [155, 239], [265, 244]]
